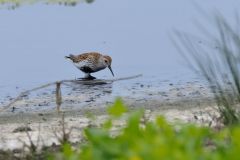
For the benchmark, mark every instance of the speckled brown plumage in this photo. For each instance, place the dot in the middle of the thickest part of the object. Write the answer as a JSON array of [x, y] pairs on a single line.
[[93, 56]]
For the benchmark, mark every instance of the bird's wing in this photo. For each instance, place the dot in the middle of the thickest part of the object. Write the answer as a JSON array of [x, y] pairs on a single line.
[[93, 56]]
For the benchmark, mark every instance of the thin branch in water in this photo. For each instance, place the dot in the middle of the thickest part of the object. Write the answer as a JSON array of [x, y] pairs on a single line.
[[58, 96]]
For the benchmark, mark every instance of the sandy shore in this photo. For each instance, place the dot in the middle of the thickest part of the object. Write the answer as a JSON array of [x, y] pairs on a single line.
[[190, 102]]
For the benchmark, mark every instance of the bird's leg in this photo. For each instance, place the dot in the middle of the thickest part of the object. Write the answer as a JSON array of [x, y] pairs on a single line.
[[88, 77]]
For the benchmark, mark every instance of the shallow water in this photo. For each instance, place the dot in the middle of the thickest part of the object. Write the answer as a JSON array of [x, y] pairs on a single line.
[[34, 40]]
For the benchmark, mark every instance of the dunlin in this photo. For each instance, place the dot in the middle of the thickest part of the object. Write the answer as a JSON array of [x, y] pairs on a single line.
[[91, 62]]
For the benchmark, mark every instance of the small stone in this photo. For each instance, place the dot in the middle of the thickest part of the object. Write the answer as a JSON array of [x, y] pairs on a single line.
[[196, 93], [22, 129], [180, 94]]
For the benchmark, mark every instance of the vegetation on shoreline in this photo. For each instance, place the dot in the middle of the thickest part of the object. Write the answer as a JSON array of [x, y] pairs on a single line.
[[216, 57]]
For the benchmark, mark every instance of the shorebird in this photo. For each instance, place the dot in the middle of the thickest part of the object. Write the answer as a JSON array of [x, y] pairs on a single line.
[[91, 62]]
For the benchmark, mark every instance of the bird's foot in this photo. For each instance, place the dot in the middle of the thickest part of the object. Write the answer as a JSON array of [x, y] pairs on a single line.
[[87, 78]]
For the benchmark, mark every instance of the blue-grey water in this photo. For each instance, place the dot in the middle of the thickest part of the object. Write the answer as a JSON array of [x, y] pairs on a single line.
[[35, 38]]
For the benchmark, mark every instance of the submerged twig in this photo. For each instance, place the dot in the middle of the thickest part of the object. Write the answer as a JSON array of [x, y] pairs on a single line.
[[58, 96]]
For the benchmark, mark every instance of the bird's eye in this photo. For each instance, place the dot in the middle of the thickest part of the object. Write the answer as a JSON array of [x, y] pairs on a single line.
[[106, 61]]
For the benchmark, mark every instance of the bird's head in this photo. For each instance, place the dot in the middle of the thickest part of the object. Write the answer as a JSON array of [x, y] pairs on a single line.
[[71, 57], [107, 62]]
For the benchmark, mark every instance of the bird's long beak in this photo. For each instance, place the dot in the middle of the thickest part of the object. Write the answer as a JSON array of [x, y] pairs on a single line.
[[110, 68]]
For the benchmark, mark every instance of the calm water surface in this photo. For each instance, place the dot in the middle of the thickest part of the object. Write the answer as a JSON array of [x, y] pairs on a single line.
[[34, 40]]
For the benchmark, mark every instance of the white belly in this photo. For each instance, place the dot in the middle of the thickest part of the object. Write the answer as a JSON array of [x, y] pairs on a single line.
[[94, 67], [82, 64]]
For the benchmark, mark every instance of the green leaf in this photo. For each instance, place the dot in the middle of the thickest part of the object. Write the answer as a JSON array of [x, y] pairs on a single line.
[[117, 109], [67, 150]]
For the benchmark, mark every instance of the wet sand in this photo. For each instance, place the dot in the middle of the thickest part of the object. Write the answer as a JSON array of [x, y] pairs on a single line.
[[188, 102]]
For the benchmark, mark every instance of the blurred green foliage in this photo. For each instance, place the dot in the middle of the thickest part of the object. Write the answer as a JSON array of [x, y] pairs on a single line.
[[12, 4], [117, 109], [154, 141]]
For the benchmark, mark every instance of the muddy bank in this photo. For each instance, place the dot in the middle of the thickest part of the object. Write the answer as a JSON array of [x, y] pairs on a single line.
[[79, 97], [133, 104], [189, 102]]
